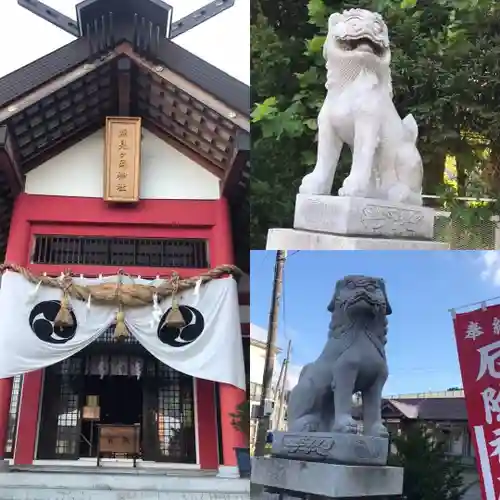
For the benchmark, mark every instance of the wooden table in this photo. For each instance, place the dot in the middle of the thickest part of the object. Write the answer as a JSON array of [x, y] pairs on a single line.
[[119, 440]]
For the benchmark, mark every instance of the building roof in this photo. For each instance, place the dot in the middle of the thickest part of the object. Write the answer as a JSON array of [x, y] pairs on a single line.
[[211, 79], [432, 409], [119, 70], [258, 334]]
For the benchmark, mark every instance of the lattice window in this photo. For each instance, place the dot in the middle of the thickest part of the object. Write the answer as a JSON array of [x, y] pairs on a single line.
[[68, 419], [120, 252], [176, 415], [254, 411], [255, 391], [70, 366], [13, 413]]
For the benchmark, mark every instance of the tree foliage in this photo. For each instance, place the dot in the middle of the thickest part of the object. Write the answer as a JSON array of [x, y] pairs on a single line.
[[429, 472], [446, 72], [240, 420]]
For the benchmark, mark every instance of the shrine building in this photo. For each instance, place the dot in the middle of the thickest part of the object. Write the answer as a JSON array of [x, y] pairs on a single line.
[[123, 151]]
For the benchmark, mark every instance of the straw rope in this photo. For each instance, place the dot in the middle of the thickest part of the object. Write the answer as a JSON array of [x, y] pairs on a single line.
[[127, 295]]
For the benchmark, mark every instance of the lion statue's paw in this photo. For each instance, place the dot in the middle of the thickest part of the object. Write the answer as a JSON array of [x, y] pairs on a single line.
[[401, 193], [354, 186], [378, 430], [314, 184], [307, 423], [346, 425]]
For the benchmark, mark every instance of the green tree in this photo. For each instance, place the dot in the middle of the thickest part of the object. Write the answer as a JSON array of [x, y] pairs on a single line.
[[446, 72], [240, 420], [429, 473]]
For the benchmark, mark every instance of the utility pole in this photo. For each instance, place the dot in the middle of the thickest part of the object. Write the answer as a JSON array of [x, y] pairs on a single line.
[[283, 387], [272, 331]]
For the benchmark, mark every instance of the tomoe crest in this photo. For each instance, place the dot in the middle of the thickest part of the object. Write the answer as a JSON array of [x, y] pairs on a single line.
[[41, 321], [180, 337]]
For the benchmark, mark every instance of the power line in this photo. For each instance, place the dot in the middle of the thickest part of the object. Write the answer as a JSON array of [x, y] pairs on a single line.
[[284, 386]]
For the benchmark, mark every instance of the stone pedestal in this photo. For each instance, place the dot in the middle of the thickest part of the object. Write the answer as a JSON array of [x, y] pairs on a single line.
[[329, 447], [228, 472], [291, 239], [295, 478], [344, 223]]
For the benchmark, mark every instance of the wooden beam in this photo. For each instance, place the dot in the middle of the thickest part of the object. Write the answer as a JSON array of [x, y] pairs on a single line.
[[9, 164], [66, 142], [239, 161], [179, 129], [193, 90], [183, 149], [58, 83], [124, 85], [156, 91], [173, 109]]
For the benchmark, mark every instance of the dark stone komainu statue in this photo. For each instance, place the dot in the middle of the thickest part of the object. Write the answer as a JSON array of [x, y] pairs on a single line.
[[322, 454], [353, 360]]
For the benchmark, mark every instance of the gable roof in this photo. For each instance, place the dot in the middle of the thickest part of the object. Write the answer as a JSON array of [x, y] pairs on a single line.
[[55, 101]]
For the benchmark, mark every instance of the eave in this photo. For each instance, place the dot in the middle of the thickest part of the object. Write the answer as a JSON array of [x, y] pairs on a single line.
[[56, 101]]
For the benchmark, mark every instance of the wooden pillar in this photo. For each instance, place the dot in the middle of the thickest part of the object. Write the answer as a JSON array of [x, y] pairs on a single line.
[[206, 422], [229, 396], [27, 426], [5, 397], [18, 251]]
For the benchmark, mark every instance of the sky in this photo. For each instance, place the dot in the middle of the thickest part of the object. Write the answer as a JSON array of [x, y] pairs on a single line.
[[422, 287], [223, 41]]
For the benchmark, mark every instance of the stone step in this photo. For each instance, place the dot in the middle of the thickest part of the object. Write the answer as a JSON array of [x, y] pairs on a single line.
[[119, 486]]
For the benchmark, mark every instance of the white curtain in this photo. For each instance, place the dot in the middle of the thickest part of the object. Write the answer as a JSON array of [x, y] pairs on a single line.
[[28, 339], [208, 347]]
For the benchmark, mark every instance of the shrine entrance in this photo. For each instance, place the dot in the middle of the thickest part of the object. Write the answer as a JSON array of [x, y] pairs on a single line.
[[119, 399], [117, 383]]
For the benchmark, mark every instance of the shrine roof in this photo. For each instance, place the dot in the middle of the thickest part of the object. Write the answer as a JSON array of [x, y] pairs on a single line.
[[59, 99], [211, 79]]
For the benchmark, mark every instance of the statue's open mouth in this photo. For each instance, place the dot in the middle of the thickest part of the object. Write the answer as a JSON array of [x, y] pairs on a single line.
[[363, 298], [364, 44]]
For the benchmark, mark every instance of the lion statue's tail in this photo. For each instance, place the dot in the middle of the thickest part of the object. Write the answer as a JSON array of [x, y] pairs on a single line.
[[410, 127]]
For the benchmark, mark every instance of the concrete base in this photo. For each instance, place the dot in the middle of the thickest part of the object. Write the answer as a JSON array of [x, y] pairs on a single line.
[[326, 480], [363, 217], [127, 484], [228, 472], [331, 447], [4, 465], [293, 239]]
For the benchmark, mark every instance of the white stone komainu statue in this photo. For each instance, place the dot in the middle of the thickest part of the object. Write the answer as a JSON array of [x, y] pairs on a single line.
[[358, 111]]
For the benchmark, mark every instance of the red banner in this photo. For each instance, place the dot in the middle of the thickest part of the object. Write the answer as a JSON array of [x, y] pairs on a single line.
[[478, 343]]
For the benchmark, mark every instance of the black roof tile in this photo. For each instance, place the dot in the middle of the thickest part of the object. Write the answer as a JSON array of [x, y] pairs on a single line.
[[214, 81], [33, 75], [211, 79]]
